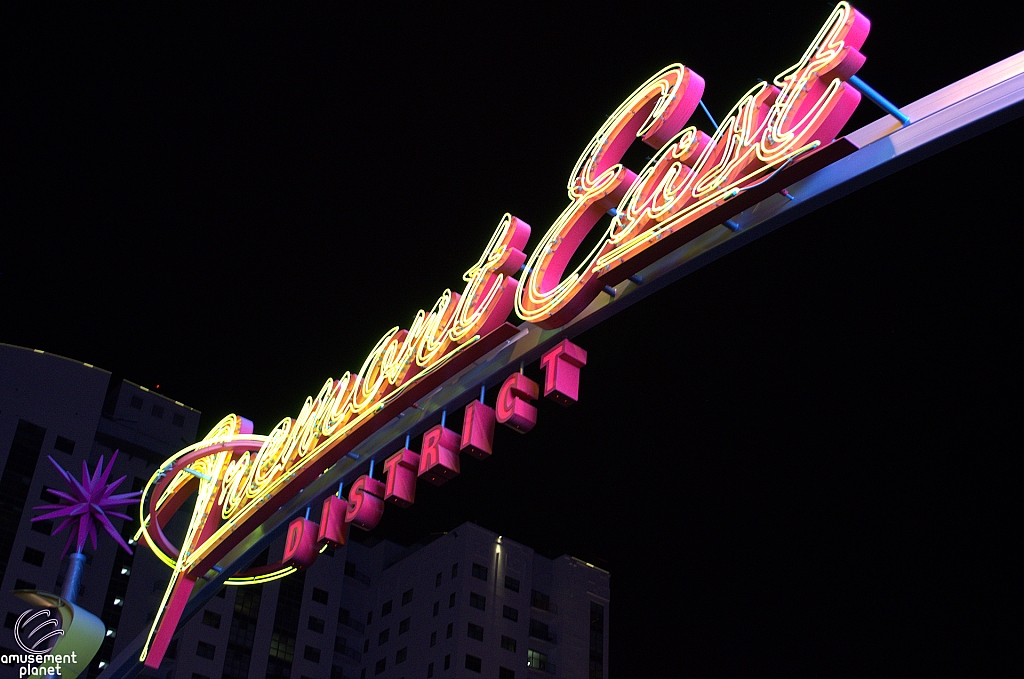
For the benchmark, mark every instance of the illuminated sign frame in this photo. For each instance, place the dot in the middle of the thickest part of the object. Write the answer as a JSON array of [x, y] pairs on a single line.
[[694, 182]]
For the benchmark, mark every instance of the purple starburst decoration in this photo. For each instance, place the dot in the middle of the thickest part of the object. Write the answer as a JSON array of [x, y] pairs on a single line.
[[88, 503]]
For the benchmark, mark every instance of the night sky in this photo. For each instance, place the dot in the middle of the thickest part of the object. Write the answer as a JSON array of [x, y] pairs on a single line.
[[796, 460]]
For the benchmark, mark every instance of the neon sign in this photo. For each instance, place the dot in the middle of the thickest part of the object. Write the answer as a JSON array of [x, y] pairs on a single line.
[[691, 184]]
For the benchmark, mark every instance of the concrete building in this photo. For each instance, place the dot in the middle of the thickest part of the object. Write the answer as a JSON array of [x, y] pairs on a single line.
[[467, 603], [73, 412]]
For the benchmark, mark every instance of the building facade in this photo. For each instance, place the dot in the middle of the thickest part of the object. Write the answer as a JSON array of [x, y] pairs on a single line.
[[73, 412], [467, 603]]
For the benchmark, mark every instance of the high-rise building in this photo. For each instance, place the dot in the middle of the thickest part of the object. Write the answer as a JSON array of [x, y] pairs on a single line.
[[73, 412], [467, 603]]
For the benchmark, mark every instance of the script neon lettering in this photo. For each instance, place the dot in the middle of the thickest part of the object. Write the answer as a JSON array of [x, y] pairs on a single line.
[[691, 174], [767, 128], [241, 482], [238, 478], [654, 112]]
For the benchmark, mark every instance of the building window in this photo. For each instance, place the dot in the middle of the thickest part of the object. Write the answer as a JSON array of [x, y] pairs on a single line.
[[508, 643], [539, 630], [386, 608], [25, 584], [178, 420], [433, 637], [430, 670], [205, 650], [437, 605], [311, 653], [437, 579], [211, 619], [511, 583], [536, 659], [400, 656], [382, 665], [33, 556], [479, 572], [158, 411], [320, 595], [64, 445], [455, 574], [473, 663], [12, 618], [477, 601], [510, 613], [136, 402], [448, 661], [382, 638], [403, 626], [475, 632], [316, 624], [406, 597], [366, 646], [506, 673], [540, 600], [195, 675], [448, 634]]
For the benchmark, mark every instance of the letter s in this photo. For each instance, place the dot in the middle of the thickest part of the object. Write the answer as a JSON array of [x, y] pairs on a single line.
[[655, 112]]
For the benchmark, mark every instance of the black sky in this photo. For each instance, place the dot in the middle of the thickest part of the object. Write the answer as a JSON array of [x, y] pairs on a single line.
[[794, 461]]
